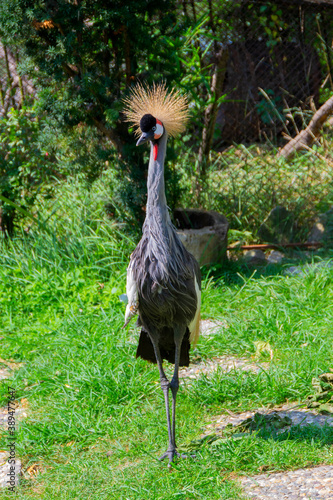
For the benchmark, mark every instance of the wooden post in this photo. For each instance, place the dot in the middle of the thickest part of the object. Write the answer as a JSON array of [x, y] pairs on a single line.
[[211, 114]]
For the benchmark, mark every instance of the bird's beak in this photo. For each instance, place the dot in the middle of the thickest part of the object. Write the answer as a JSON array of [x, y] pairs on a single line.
[[145, 137]]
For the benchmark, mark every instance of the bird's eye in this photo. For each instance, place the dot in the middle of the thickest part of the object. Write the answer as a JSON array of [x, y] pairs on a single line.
[[154, 128]]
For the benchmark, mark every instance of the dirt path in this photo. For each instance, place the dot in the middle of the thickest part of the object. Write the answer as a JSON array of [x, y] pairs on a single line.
[[306, 484], [10, 465]]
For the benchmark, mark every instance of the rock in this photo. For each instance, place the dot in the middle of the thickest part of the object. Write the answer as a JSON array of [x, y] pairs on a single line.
[[4, 374], [322, 229], [211, 327], [278, 227], [308, 268], [275, 257], [203, 233], [295, 271], [254, 258], [272, 422], [316, 233]]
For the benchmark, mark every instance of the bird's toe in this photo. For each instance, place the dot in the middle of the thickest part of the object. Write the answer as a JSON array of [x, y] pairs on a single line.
[[172, 454]]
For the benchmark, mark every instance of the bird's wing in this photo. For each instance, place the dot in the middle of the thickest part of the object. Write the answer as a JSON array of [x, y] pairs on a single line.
[[132, 295], [195, 323]]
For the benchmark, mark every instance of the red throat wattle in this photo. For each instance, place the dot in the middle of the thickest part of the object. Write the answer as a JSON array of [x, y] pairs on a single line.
[[155, 151]]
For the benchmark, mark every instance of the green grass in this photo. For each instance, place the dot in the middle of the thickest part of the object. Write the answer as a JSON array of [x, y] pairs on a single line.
[[88, 395]]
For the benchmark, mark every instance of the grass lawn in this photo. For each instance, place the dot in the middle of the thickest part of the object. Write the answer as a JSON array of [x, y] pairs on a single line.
[[87, 394]]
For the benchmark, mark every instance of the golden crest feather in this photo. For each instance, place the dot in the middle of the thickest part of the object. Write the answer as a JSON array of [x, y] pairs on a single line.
[[170, 107]]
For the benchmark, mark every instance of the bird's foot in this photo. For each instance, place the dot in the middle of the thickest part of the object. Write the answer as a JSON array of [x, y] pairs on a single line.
[[171, 454]]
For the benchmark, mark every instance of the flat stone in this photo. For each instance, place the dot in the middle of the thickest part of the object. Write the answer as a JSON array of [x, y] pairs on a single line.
[[275, 257], [295, 271], [255, 258], [5, 467], [12, 365], [322, 229], [301, 483], [211, 327], [4, 374], [302, 270], [224, 363], [20, 413], [298, 416]]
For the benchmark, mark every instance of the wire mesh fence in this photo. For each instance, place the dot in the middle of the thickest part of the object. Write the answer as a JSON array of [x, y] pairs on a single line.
[[277, 72], [279, 63], [276, 62], [279, 69]]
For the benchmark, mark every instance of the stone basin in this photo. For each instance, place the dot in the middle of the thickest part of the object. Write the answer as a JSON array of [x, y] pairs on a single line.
[[204, 233]]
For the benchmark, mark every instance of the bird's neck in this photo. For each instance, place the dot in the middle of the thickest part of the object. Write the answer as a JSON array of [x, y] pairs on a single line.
[[156, 203]]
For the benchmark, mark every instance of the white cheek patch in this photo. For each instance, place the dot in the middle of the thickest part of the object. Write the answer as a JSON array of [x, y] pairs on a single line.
[[159, 129]]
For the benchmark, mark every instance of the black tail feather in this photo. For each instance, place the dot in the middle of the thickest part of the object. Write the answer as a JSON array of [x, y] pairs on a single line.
[[167, 347]]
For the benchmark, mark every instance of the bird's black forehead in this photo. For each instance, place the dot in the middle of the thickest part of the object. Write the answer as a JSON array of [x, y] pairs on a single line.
[[147, 122]]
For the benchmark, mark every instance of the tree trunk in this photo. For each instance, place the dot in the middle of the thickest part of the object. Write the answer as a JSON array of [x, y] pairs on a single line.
[[110, 134], [211, 114], [7, 222], [307, 136]]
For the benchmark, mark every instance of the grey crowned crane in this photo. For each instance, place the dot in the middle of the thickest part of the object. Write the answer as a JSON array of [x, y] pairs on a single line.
[[163, 278]]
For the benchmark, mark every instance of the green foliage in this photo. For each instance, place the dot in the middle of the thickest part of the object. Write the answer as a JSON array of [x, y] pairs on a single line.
[[271, 20], [270, 107], [24, 165], [35, 154], [83, 57], [80, 151]]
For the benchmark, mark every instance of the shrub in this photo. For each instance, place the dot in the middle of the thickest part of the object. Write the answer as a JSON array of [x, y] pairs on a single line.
[[24, 165]]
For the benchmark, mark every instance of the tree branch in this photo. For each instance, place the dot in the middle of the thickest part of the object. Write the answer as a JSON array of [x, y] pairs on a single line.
[[212, 108], [307, 136], [110, 134]]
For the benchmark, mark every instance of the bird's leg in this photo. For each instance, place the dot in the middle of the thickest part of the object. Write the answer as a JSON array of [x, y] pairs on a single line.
[[165, 384], [174, 384], [179, 333]]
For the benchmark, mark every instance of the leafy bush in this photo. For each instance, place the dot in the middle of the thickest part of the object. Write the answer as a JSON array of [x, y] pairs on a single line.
[[24, 165]]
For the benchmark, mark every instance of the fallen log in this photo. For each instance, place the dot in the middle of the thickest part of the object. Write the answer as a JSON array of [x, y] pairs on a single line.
[[266, 246], [307, 136]]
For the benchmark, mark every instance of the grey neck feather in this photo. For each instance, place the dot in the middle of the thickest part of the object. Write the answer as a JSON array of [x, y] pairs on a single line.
[[163, 244], [156, 203]]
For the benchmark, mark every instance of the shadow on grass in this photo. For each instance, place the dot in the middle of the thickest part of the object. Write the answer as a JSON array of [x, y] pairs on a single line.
[[304, 426], [268, 426], [310, 433], [254, 451], [234, 271]]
